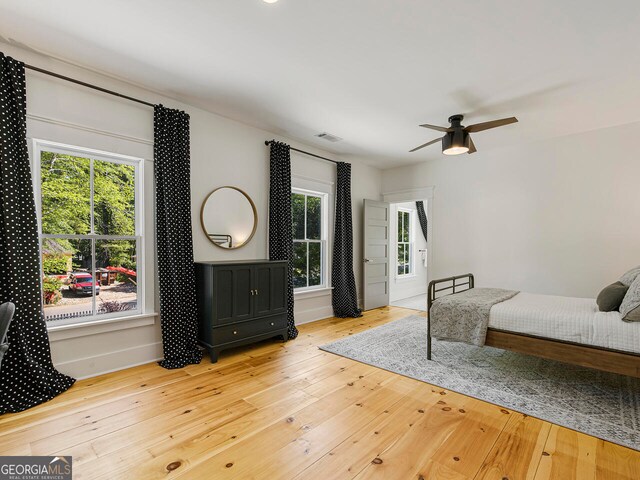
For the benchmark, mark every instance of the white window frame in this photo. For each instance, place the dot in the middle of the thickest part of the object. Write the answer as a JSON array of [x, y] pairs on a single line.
[[138, 163], [410, 244], [324, 223]]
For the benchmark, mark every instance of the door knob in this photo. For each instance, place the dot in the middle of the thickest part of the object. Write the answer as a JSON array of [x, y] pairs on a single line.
[[366, 260]]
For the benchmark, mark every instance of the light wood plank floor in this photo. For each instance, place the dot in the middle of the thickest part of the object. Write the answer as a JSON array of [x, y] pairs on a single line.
[[291, 411]]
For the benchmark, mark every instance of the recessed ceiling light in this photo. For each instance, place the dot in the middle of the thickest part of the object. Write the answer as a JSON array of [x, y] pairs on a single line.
[[269, 1]]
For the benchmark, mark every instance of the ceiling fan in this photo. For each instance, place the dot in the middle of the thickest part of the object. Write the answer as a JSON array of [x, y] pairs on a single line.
[[457, 139]]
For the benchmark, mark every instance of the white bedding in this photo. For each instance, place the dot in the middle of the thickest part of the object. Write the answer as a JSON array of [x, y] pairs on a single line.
[[565, 318]]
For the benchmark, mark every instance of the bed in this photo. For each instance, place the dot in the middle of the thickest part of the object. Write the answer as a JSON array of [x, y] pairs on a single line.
[[566, 329]]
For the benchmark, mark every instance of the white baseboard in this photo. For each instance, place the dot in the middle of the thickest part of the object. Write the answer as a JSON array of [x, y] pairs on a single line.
[[92, 366], [112, 361], [409, 293], [313, 314]]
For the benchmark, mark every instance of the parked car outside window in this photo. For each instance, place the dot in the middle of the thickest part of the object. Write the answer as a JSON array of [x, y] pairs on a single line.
[[82, 283]]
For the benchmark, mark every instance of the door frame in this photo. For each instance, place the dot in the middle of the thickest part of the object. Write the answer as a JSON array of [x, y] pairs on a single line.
[[413, 195]]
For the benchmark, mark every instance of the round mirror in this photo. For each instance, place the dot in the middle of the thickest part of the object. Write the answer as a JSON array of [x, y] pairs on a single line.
[[229, 218]]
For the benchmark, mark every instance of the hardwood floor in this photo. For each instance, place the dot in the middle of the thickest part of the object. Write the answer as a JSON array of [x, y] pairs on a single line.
[[291, 411]]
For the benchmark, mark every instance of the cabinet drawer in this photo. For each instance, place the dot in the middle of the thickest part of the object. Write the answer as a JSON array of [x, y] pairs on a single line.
[[239, 331]]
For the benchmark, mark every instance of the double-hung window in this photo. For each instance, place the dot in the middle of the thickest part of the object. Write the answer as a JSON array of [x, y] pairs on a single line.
[[309, 226], [405, 244], [89, 206]]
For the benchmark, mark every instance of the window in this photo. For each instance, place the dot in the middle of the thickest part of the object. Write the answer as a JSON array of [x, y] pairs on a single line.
[[405, 245], [88, 206], [308, 212]]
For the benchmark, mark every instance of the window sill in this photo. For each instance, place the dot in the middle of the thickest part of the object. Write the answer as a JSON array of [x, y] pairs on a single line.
[[406, 278], [317, 292], [94, 327]]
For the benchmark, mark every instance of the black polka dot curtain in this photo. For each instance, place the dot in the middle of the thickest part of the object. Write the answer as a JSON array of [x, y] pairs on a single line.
[[345, 296], [280, 219], [178, 309], [27, 376], [422, 218]]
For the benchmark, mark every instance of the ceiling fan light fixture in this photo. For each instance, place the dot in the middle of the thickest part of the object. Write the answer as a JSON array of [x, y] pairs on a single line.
[[455, 150], [455, 143], [457, 140]]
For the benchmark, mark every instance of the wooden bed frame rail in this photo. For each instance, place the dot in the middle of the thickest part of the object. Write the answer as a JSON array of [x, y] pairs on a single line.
[[600, 358]]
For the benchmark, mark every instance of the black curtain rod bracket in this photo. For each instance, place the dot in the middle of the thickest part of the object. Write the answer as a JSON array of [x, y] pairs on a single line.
[[269, 142], [88, 85]]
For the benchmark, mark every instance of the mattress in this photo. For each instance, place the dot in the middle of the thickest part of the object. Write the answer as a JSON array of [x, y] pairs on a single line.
[[565, 318]]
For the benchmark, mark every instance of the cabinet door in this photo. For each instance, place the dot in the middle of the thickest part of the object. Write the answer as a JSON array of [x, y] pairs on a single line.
[[232, 294], [270, 287]]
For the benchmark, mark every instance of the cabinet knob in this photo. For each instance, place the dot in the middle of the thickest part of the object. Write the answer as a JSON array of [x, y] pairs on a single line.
[[272, 324], [235, 332]]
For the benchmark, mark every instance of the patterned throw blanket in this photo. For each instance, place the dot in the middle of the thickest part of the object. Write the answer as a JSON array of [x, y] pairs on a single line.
[[464, 316]]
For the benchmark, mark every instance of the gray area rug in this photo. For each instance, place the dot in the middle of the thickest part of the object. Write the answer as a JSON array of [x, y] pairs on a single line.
[[601, 404]]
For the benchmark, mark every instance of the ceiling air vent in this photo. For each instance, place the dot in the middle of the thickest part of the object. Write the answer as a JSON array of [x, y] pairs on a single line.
[[329, 137]]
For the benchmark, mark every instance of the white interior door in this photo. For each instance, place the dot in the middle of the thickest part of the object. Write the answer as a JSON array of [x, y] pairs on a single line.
[[376, 254]]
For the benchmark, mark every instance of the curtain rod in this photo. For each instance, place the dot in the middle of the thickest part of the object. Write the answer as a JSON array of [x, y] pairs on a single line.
[[88, 85], [269, 142]]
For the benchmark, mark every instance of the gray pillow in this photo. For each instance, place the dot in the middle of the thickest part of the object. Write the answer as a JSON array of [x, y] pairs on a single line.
[[610, 298], [630, 307], [628, 278]]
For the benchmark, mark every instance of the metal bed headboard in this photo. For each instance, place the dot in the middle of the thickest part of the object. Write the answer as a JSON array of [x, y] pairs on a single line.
[[433, 289], [219, 238]]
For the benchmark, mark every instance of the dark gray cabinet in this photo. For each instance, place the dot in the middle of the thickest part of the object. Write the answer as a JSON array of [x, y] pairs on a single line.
[[240, 302]]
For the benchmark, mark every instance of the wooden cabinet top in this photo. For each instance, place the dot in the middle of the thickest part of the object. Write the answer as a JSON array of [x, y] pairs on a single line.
[[240, 262]]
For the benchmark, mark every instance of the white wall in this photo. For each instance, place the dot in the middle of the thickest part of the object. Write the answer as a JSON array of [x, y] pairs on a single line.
[[416, 283], [553, 217], [223, 152]]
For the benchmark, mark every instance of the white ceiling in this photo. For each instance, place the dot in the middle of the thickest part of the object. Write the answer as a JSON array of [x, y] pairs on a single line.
[[368, 71]]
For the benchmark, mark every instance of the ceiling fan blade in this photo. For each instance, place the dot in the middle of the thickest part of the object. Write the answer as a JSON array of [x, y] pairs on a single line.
[[438, 128], [426, 144], [479, 127], [472, 146]]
